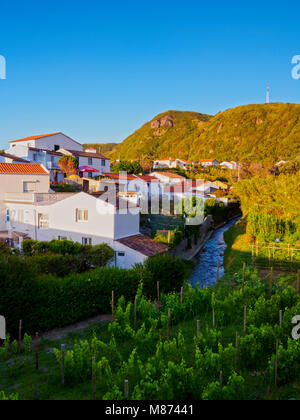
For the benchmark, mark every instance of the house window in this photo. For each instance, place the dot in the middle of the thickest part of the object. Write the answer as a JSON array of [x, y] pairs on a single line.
[[34, 157], [29, 186], [90, 161], [62, 238], [82, 215], [56, 147], [121, 254], [43, 221], [86, 241], [103, 162]]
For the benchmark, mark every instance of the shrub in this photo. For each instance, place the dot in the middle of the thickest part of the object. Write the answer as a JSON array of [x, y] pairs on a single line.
[[99, 255], [5, 249], [169, 271]]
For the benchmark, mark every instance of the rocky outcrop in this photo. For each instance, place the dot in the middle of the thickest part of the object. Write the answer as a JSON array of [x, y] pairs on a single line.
[[166, 121]]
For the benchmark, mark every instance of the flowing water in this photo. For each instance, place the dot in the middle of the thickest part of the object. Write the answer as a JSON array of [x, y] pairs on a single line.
[[205, 272]]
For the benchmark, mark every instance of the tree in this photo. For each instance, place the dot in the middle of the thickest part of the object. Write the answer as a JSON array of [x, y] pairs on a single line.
[[129, 167], [68, 164]]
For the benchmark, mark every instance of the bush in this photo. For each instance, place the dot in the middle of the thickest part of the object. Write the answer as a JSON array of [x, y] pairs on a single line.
[[169, 271], [99, 255], [61, 258], [5, 249]]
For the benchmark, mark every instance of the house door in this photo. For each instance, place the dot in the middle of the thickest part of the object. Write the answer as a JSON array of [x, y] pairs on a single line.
[[86, 186], [120, 259]]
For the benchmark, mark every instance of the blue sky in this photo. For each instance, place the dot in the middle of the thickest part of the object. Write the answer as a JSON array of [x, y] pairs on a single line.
[[98, 70]]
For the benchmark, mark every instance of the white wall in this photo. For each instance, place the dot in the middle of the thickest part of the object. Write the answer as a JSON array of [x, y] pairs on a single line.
[[96, 164], [12, 183], [61, 140]]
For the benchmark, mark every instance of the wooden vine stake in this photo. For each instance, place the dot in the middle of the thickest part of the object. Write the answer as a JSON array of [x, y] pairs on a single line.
[[198, 328], [126, 389], [280, 318], [271, 281], [214, 318], [20, 337], [113, 306], [135, 311], [158, 294], [221, 379], [236, 361], [243, 284], [169, 322], [181, 296], [37, 351], [298, 282], [94, 378], [276, 364], [218, 275], [245, 320], [63, 364]]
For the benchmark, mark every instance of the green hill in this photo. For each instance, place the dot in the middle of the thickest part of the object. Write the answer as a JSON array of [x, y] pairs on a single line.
[[266, 133], [105, 148]]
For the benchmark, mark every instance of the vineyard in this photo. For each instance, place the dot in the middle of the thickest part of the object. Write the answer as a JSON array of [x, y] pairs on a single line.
[[231, 341]]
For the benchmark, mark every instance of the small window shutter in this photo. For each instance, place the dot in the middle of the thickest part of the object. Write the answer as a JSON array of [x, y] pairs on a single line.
[[76, 215], [86, 215]]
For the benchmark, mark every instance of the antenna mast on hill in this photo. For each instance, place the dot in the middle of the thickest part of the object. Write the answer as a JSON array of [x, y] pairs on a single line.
[[268, 93]]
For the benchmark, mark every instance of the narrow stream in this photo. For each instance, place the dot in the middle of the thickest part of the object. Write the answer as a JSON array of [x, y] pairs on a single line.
[[205, 272]]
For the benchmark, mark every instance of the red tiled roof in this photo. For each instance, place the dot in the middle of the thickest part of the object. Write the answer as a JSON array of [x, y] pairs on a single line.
[[185, 186], [20, 168], [34, 137], [207, 160], [118, 176], [185, 161], [148, 178], [165, 160], [144, 245], [13, 157], [87, 154], [170, 175]]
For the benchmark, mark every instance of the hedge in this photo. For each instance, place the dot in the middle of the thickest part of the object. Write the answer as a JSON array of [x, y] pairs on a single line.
[[44, 302], [61, 258]]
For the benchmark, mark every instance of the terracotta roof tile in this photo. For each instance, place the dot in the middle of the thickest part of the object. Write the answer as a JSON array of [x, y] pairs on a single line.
[[144, 245], [170, 175], [87, 154], [20, 168], [118, 176]]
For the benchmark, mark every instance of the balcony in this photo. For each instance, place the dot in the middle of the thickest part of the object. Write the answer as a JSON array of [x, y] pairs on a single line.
[[37, 199]]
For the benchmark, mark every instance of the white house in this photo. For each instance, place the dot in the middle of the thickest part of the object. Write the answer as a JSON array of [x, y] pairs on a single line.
[[171, 163], [47, 149], [168, 177], [28, 209], [20, 180], [229, 165], [89, 159], [209, 162], [189, 188]]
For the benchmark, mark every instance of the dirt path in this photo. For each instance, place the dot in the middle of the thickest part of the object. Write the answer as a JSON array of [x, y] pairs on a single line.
[[59, 333]]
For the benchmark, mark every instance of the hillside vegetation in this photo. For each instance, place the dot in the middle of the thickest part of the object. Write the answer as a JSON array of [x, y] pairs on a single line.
[[105, 148], [265, 133]]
